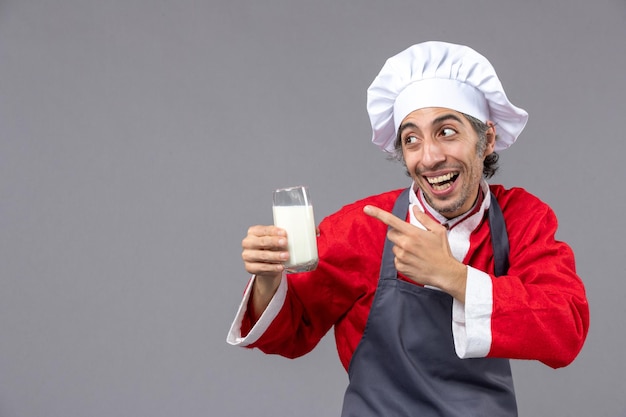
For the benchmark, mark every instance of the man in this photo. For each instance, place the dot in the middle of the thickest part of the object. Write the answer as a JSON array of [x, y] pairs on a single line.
[[430, 289]]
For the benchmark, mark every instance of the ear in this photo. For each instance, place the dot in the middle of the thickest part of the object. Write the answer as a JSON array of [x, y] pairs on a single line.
[[491, 138]]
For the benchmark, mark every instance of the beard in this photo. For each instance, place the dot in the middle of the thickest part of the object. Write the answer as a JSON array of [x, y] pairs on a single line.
[[468, 193], [448, 207]]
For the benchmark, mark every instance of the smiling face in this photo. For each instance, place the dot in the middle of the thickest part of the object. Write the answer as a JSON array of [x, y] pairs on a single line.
[[443, 155]]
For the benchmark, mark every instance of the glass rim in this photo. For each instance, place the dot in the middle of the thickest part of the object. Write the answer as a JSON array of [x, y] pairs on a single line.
[[291, 188]]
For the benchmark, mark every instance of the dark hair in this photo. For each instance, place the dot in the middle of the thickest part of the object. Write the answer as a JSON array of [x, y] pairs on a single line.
[[490, 163]]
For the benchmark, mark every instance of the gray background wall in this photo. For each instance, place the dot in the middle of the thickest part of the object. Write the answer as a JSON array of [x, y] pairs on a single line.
[[139, 139]]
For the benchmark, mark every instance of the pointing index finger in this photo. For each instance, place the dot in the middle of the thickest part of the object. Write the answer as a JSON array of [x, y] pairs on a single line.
[[385, 217]]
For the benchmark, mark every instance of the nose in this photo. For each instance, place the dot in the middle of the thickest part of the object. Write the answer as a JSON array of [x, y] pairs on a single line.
[[432, 153]]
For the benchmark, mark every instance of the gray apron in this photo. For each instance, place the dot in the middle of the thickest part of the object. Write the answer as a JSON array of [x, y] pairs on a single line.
[[405, 363]]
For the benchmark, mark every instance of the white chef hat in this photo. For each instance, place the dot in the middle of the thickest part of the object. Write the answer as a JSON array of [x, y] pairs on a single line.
[[440, 74]]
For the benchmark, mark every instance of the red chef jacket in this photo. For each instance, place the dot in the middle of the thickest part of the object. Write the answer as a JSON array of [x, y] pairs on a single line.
[[537, 311]]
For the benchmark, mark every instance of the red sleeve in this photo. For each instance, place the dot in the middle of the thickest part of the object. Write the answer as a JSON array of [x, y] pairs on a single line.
[[540, 309]]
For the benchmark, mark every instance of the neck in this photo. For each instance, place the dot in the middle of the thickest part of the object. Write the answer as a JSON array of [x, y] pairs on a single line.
[[447, 220]]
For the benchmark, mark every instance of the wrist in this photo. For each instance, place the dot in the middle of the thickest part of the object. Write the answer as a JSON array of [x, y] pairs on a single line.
[[266, 285], [263, 290], [456, 283]]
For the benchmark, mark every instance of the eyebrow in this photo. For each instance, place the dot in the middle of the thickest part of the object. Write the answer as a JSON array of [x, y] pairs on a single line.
[[405, 126], [438, 120], [446, 117]]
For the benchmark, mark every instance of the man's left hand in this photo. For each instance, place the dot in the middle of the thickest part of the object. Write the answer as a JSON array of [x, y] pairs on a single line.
[[423, 256]]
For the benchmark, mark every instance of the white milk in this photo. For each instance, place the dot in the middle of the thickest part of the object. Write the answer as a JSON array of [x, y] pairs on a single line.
[[299, 223]]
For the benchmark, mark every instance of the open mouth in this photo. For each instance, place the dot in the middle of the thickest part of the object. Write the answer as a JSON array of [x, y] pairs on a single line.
[[442, 182]]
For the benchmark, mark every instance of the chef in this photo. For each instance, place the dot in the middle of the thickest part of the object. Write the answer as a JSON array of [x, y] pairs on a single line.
[[430, 289]]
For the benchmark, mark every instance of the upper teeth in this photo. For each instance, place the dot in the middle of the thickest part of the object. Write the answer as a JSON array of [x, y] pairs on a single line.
[[441, 178]]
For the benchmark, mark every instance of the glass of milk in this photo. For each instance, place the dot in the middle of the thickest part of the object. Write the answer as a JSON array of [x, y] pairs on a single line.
[[293, 212]]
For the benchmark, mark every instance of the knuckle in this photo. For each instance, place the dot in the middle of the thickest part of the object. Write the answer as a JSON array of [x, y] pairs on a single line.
[[265, 242], [269, 241]]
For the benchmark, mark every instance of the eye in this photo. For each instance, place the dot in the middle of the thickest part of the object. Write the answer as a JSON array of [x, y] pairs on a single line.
[[410, 140], [447, 131]]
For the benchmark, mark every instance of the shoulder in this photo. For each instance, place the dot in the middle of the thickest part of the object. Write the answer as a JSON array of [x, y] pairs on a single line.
[[516, 198], [521, 207]]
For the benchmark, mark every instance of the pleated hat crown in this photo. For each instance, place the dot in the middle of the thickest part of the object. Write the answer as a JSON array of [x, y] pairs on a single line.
[[440, 74]]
